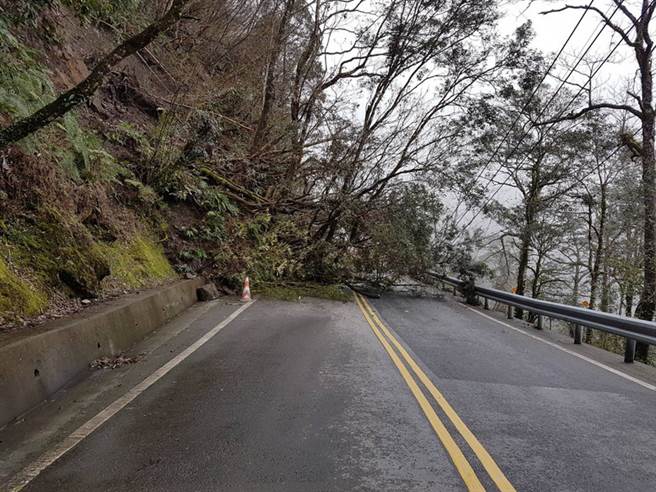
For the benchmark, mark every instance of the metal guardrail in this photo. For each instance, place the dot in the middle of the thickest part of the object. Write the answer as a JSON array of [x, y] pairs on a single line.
[[632, 329]]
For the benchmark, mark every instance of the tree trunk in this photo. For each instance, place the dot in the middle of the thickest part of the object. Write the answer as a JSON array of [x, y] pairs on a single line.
[[521, 270], [628, 301], [575, 290], [269, 82], [604, 305], [599, 250], [647, 303], [598, 255], [85, 89], [525, 246], [604, 301]]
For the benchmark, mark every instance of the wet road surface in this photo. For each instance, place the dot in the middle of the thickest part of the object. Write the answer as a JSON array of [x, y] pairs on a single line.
[[307, 396]]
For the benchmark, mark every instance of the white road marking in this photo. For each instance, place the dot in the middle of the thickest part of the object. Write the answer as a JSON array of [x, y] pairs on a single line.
[[49, 457], [583, 357]]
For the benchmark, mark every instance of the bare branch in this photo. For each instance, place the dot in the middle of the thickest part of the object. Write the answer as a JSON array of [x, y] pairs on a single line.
[[592, 107]]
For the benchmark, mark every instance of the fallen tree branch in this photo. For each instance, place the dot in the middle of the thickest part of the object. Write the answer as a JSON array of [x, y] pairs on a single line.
[[215, 113], [218, 179]]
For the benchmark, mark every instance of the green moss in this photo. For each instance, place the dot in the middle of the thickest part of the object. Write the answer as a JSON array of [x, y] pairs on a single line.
[[18, 297], [58, 250], [61, 255], [295, 292], [62, 251], [145, 194], [138, 262]]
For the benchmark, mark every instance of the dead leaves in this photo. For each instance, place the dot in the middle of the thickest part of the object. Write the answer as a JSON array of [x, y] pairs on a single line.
[[114, 362]]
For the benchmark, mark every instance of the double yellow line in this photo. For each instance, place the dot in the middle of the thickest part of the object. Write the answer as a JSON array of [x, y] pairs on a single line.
[[467, 473]]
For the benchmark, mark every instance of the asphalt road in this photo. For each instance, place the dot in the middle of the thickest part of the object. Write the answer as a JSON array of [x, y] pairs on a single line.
[[551, 421], [304, 396]]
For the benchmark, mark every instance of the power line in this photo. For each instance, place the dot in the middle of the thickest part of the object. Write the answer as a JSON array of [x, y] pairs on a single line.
[[550, 126], [546, 105], [598, 166], [535, 90], [537, 87]]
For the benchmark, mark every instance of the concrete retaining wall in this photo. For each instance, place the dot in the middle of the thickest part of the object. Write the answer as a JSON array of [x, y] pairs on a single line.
[[33, 368]]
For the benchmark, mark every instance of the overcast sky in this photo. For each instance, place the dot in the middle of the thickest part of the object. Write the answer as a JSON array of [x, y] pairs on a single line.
[[553, 29]]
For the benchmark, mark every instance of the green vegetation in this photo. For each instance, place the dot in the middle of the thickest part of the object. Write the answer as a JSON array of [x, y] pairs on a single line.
[[53, 246], [85, 158], [138, 262], [297, 291], [128, 135], [259, 245], [59, 251], [113, 12], [25, 86], [17, 297], [27, 12], [402, 244], [62, 253], [24, 82]]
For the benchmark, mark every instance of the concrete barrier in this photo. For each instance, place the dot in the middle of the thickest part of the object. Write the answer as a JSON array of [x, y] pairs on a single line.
[[33, 368]]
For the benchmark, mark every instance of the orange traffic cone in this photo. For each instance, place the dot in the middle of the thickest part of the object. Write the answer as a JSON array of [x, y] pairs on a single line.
[[246, 293]]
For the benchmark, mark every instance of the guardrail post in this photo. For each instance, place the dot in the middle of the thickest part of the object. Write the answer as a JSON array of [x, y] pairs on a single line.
[[629, 350], [486, 305], [539, 323], [509, 313], [577, 334], [455, 291]]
